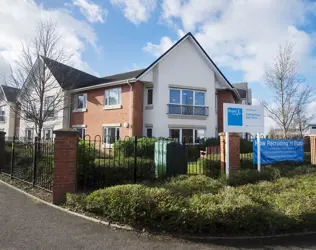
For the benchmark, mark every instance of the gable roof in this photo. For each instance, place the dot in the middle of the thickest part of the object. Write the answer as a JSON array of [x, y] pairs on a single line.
[[68, 77], [10, 93], [189, 34]]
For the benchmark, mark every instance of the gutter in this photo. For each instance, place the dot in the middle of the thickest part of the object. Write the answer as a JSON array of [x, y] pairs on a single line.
[[130, 107], [109, 84]]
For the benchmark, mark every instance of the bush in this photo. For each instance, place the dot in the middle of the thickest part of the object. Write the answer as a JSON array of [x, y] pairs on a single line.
[[210, 166], [189, 185], [300, 170], [210, 142], [145, 147], [251, 176]]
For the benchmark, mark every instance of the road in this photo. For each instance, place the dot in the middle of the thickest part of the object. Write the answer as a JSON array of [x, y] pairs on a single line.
[[28, 224]]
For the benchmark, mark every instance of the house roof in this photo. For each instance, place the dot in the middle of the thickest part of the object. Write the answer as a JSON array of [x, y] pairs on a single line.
[[70, 78], [10, 92], [189, 34]]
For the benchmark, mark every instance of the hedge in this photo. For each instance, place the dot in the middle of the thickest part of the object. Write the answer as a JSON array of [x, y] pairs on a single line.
[[203, 206]]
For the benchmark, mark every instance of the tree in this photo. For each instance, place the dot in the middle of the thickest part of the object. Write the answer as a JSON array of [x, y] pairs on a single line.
[[41, 96], [302, 120], [291, 94]]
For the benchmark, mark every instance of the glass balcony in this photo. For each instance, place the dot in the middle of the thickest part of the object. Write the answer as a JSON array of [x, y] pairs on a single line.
[[178, 109]]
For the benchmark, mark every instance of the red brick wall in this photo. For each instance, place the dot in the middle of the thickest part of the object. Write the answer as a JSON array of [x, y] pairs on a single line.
[[138, 106], [96, 115], [234, 152], [223, 96]]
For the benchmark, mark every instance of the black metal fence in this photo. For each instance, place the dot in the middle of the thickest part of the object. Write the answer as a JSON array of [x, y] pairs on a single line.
[[30, 161], [106, 162]]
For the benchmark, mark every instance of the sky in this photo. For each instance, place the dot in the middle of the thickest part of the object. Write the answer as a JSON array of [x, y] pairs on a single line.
[[113, 36]]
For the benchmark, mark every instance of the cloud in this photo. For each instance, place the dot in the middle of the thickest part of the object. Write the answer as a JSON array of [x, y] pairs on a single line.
[[242, 35], [136, 11], [18, 20], [93, 12], [158, 49]]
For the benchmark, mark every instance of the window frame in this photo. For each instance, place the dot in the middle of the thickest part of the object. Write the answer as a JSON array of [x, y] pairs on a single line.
[[108, 91], [181, 99], [85, 98], [149, 129], [47, 106], [152, 96], [194, 130], [105, 138], [2, 109], [44, 134], [32, 134]]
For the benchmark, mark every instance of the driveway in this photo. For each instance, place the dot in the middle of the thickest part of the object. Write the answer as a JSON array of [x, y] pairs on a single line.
[[28, 224]]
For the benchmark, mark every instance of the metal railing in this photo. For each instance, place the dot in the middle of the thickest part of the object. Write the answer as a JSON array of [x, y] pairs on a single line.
[[30, 161], [178, 109]]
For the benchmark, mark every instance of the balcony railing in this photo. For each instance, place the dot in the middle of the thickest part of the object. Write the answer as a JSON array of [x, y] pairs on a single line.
[[178, 109]]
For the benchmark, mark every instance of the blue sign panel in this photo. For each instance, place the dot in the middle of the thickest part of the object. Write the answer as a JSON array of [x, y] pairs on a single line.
[[234, 116], [278, 150]]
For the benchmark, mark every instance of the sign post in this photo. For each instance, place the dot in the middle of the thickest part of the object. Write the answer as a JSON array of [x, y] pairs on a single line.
[[227, 155], [240, 118], [259, 152]]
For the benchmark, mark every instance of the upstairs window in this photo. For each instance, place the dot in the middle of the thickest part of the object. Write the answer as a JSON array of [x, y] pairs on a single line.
[[112, 97], [187, 97], [149, 96], [80, 101], [2, 114], [49, 105]]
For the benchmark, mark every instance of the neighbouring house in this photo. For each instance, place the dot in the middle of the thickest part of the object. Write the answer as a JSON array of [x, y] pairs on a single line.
[[245, 93], [180, 95], [8, 120]]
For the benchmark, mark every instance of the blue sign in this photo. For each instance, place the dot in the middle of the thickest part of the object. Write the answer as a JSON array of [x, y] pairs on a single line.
[[278, 150], [234, 116]]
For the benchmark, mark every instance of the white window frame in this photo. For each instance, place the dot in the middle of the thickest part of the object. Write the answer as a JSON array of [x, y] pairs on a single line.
[[194, 91], [48, 107], [105, 139], [107, 94], [193, 129], [147, 96], [82, 128], [2, 109], [84, 108], [44, 134], [32, 134]]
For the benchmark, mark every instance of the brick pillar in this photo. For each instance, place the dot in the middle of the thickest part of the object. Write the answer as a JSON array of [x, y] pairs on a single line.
[[234, 151], [313, 149], [65, 169], [2, 149]]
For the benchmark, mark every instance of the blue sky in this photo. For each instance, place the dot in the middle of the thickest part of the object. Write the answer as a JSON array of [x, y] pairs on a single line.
[[112, 36]]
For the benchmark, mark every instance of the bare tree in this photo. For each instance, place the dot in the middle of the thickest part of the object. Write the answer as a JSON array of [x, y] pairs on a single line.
[[291, 93], [302, 120], [41, 96]]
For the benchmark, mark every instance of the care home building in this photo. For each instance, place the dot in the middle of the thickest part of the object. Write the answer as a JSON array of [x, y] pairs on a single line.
[[180, 95]]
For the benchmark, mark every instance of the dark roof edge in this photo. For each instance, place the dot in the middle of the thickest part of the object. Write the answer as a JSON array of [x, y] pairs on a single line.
[[208, 57]]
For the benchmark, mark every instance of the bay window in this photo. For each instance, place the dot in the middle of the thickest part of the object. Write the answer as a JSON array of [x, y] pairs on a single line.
[[187, 102], [112, 97]]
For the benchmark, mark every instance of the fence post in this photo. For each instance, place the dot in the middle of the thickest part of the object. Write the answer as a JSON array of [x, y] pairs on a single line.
[[65, 164], [234, 151], [35, 148], [135, 158], [2, 149], [12, 157], [313, 149]]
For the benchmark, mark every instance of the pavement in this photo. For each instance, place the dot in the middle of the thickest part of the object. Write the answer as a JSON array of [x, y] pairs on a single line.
[[26, 223]]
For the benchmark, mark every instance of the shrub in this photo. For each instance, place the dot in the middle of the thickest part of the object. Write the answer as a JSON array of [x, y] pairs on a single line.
[[246, 146], [250, 176], [75, 201], [300, 170], [210, 166], [189, 185], [210, 142]]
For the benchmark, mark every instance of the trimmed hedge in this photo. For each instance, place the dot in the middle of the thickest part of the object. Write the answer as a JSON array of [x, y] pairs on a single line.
[[201, 205]]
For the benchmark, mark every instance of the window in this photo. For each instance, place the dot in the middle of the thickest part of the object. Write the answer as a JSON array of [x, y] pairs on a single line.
[[112, 97], [187, 102], [149, 96], [81, 129], [29, 134], [110, 135], [47, 134], [80, 101], [184, 135], [149, 132], [49, 105], [313, 127], [2, 114]]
